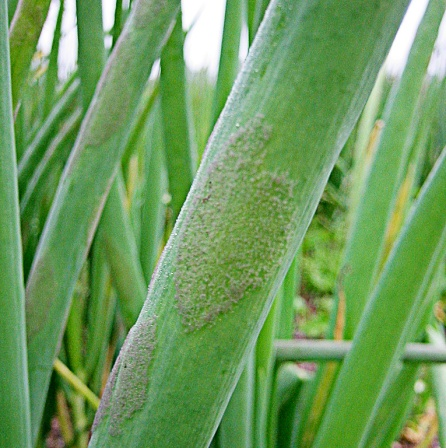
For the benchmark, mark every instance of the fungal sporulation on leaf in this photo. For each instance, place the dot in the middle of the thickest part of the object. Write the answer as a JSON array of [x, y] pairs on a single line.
[[127, 387], [221, 258]]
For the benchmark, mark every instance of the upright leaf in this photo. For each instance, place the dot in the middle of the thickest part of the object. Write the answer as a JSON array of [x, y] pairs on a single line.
[[278, 138], [382, 333], [229, 55], [179, 145], [24, 33], [438, 379], [14, 397], [373, 202], [155, 185], [51, 77], [91, 47], [364, 250], [84, 186], [122, 254]]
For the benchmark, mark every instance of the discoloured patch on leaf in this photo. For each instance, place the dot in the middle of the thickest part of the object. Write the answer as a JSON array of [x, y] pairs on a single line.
[[37, 310], [217, 265], [126, 389]]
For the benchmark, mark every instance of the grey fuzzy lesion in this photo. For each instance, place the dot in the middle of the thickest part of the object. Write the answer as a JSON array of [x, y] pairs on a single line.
[[218, 265], [126, 389]]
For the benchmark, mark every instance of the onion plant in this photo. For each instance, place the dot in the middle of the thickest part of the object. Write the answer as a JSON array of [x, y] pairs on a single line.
[[15, 427], [147, 284]]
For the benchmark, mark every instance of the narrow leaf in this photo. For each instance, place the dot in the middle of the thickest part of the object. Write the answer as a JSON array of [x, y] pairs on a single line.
[[83, 188], [24, 33], [380, 338], [180, 150], [366, 245], [14, 397], [229, 55]]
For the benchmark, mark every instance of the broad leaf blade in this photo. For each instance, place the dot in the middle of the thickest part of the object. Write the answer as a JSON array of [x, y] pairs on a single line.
[[289, 114]]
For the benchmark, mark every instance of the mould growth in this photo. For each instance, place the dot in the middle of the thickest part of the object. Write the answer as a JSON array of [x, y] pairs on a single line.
[[222, 256], [126, 388]]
